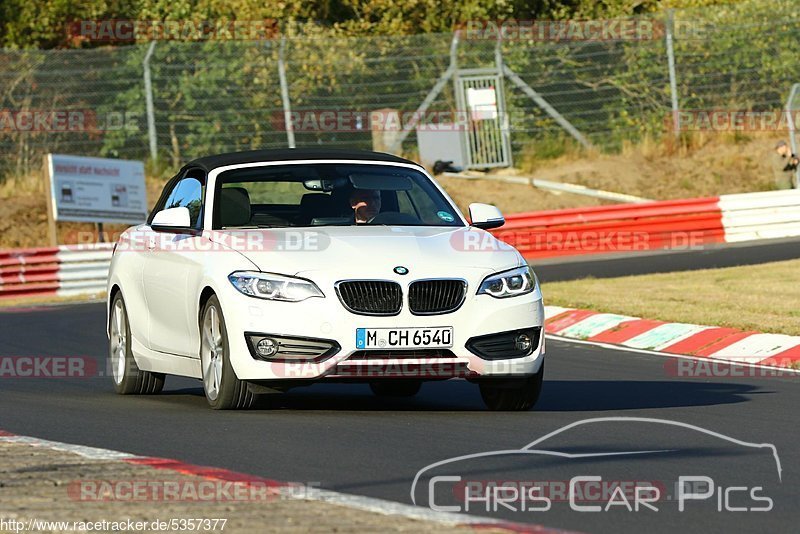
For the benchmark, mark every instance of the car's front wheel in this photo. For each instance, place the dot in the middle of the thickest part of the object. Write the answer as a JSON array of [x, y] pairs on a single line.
[[128, 378], [224, 390], [512, 395]]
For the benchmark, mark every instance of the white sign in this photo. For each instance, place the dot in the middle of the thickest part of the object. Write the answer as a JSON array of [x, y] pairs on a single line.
[[482, 103], [97, 189]]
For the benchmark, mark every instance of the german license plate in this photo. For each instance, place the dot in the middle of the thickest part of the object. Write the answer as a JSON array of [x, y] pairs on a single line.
[[440, 337]]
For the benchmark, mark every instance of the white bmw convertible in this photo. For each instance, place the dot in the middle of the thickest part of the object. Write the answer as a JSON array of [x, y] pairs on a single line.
[[262, 271]]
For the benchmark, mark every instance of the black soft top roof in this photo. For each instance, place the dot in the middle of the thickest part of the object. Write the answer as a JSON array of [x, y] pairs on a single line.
[[208, 163]]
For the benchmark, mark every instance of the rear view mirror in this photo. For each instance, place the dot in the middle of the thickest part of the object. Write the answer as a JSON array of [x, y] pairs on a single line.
[[172, 219], [485, 216], [324, 185]]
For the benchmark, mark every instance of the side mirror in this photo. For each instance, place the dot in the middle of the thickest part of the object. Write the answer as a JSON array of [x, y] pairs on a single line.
[[485, 216], [172, 220]]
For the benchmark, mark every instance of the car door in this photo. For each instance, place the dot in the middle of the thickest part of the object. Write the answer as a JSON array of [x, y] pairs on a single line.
[[171, 273]]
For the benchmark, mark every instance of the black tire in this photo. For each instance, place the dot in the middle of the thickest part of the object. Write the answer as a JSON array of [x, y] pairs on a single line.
[[127, 377], [518, 396], [231, 393], [395, 388]]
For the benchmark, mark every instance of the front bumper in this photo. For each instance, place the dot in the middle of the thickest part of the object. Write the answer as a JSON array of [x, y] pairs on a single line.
[[326, 318]]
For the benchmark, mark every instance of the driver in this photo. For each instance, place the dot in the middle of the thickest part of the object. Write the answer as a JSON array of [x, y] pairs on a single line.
[[366, 204]]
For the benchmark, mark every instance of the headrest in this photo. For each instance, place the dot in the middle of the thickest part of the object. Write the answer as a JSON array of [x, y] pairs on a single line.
[[234, 206]]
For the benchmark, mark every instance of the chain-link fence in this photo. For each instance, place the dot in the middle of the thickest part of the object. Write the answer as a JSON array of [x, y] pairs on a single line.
[[220, 96]]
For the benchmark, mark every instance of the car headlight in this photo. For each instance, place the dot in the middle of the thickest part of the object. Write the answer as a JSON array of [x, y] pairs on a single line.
[[274, 286], [520, 281]]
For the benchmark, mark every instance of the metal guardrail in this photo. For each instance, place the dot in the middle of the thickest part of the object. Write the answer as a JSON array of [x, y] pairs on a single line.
[[768, 215], [617, 228], [59, 271]]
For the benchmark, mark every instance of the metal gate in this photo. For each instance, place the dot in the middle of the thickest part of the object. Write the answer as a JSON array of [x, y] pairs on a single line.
[[486, 142], [792, 107]]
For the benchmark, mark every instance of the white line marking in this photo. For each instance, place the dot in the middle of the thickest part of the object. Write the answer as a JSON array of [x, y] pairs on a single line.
[[91, 453]]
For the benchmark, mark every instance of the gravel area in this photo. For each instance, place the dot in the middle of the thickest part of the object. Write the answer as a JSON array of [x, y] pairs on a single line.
[[39, 484]]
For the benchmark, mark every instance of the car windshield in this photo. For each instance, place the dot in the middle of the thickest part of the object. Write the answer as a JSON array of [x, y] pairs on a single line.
[[329, 194]]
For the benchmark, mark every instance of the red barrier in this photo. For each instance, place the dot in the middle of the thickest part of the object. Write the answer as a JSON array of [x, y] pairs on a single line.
[[671, 224], [37, 271], [14, 253], [25, 290], [27, 256], [27, 278]]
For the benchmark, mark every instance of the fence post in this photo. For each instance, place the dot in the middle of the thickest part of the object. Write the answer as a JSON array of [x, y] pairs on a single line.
[[673, 83], [793, 129], [148, 96], [505, 123], [287, 109]]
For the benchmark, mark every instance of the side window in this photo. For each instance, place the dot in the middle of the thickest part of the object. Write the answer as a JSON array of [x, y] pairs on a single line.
[[187, 193]]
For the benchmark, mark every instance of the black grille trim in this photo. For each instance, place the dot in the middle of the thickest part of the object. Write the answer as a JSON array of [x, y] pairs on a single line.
[[426, 371], [436, 296], [370, 297]]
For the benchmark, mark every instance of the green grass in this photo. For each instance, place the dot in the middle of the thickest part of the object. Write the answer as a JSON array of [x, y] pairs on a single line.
[[765, 297]]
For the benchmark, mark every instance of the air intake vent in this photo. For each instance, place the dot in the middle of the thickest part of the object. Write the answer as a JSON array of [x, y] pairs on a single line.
[[432, 297], [505, 345], [371, 297]]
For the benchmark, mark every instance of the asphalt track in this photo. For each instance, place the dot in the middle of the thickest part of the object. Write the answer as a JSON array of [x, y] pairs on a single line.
[[340, 437], [344, 439]]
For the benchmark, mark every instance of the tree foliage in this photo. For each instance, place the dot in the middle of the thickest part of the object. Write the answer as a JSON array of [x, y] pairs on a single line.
[[43, 23], [365, 55]]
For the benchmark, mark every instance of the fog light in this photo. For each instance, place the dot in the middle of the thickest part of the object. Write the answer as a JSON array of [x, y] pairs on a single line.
[[523, 343], [266, 348]]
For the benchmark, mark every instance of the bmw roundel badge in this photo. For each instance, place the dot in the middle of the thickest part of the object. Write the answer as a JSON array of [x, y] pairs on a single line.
[[400, 270]]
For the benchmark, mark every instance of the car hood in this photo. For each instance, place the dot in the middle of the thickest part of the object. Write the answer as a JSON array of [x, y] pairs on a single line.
[[372, 251]]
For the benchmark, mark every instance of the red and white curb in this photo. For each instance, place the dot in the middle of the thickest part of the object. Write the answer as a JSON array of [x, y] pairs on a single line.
[[728, 344], [287, 490]]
